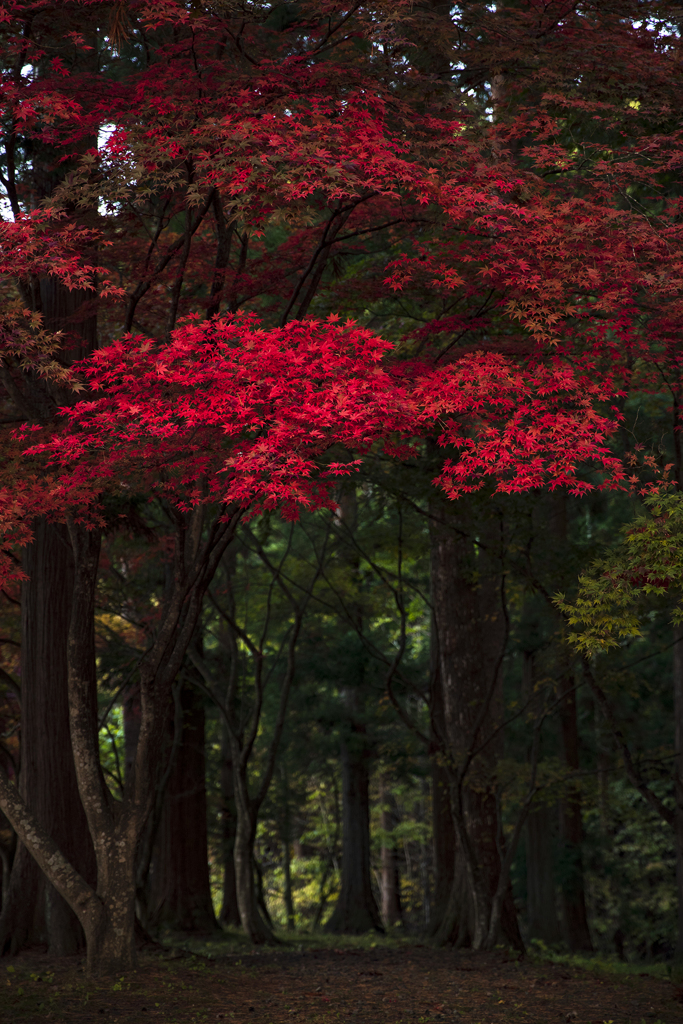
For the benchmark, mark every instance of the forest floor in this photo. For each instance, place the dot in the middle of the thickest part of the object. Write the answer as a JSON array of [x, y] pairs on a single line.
[[387, 984]]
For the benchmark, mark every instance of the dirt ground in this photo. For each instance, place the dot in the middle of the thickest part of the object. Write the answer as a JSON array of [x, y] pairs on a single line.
[[409, 985]]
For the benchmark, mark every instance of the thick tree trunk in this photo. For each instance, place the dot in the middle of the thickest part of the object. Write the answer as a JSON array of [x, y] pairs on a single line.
[[230, 913], [571, 829], [110, 937], [33, 911], [179, 886], [392, 913], [356, 910], [469, 619], [108, 914]]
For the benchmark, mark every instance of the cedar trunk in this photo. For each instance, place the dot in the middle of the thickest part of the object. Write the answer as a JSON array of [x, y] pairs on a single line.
[[471, 635], [356, 910], [392, 913], [443, 832], [33, 911]]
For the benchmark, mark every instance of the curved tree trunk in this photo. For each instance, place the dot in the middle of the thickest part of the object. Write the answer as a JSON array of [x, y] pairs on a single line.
[[245, 836]]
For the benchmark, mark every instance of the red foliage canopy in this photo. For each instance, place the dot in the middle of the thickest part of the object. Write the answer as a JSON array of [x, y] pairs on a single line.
[[522, 238]]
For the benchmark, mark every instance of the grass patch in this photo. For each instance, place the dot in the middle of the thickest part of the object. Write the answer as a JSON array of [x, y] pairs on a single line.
[[598, 963]]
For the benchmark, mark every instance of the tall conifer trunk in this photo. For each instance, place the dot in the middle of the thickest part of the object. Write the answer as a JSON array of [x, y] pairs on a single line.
[[356, 910], [392, 913], [33, 911], [471, 637], [443, 833]]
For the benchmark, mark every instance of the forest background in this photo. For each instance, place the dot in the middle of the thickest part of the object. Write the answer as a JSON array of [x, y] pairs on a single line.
[[364, 618]]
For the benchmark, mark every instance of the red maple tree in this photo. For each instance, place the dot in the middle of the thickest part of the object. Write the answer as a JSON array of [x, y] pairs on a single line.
[[239, 180]]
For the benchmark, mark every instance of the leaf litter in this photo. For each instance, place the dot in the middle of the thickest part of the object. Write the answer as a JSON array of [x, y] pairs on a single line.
[[406, 985]]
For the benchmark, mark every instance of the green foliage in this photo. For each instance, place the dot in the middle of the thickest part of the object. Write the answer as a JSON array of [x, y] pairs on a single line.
[[631, 873], [112, 750], [647, 564]]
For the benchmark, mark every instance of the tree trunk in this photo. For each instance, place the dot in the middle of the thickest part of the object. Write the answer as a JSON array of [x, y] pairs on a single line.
[[286, 854], [230, 913], [571, 829], [250, 916], [443, 833], [392, 913], [108, 914], [287, 871], [245, 837], [33, 910], [356, 910], [179, 886], [471, 635], [110, 938]]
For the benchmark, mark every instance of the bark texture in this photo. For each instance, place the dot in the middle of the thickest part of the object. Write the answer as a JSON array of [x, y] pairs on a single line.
[[251, 917], [443, 832], [33, 911], [356, 910], [471, 634]]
